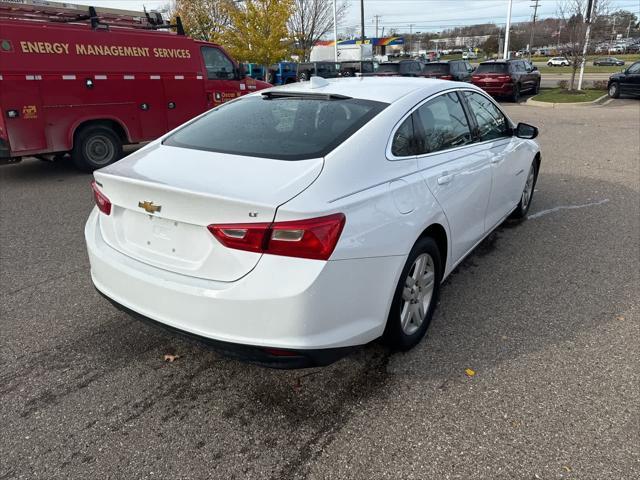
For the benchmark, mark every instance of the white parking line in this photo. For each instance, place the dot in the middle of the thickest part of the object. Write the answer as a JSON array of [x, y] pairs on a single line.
[[566, 207]]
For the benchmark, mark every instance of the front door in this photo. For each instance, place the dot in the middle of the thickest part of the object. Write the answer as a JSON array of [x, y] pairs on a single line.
[[221, 82], [507, 159], [454, 168], [631, 80]]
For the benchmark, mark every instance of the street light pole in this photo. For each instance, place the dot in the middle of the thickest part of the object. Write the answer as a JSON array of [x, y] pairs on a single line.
[[362, 20], [335, 31], [506, 34]]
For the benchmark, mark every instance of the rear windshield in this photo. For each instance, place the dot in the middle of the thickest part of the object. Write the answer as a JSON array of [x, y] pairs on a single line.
[[492, 68], [436, 68], [283, 128], [389, 67]]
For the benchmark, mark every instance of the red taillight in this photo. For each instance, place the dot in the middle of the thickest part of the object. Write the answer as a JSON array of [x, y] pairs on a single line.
[[314, 238], [103, 203], [446, 77], [504, 78]]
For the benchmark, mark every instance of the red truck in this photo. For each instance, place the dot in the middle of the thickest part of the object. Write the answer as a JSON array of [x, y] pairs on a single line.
[[88, 81]]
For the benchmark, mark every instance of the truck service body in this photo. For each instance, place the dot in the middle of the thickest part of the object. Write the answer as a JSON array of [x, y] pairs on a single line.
[[63, 81]]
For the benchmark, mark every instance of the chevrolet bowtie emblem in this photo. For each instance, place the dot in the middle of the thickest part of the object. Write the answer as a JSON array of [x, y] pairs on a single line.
[[149, 207]]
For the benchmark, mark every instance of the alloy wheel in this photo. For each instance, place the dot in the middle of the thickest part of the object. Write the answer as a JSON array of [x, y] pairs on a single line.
[[528, 188], [417, 293]]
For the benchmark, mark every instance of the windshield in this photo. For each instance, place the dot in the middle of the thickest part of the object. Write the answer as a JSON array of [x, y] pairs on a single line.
[[492, 68], [436, 68], [389, 67], [297, 127]]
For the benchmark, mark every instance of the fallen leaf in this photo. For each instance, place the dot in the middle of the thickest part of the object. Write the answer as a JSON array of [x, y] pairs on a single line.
[[170, 358], [567, 468], [469, 372], [620, 318]]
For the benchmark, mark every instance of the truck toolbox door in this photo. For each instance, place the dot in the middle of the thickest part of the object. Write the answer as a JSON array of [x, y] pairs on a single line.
[[184, 97], [26, 131]]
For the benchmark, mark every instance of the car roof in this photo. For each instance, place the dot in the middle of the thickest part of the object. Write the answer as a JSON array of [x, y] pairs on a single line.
[[380, 89]]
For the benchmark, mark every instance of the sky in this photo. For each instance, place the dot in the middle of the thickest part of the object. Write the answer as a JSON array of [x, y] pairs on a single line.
[[423, 15]]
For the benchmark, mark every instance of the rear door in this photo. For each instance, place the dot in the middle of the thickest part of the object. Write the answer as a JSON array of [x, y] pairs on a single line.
[[457, 172]]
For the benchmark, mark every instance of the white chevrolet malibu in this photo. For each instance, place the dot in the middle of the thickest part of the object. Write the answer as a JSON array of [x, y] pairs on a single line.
[[293, 224]]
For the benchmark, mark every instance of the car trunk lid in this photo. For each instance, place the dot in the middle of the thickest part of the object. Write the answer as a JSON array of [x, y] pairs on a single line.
[[164, 197]]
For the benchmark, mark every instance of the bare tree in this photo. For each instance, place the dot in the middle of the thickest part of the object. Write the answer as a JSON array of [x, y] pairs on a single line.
[[310, 21], [573, 14]]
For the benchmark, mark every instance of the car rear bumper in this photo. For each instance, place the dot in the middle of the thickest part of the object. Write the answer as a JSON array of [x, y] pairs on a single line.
[[496, 89], [283, 303]]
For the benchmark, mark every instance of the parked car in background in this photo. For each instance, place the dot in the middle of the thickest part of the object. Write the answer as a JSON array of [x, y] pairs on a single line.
[[558, 62], [254, 70], [625, 83], [459, 70], [351, 68], [507, 78], [608, 62], [403, 68], [363, 196], [283, 73], [318, 69], [469, 55]]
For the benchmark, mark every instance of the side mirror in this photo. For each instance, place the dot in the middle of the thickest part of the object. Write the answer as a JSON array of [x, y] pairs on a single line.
[[524, 130], [534, 69]]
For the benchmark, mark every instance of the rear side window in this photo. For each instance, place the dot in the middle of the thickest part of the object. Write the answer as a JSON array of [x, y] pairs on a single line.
[[285, 128], [443, 124], [491, 121], [218, 66], [492, 68], [437, 68], [403, 144], [389, 68]]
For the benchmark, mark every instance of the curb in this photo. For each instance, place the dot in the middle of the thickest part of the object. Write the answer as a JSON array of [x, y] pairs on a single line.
[[536, 103]]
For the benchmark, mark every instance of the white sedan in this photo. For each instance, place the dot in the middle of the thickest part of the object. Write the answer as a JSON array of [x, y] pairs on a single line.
[[558, 62], [293, 224]]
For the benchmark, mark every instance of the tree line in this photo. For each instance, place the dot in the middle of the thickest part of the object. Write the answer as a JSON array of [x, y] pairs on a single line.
[[259, 31]]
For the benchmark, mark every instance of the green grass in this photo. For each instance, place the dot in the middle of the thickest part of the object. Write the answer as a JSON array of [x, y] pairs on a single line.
[[587, 69], [559, 95]]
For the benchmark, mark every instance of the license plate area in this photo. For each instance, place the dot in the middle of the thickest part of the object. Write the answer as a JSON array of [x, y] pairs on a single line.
[[162, 241]]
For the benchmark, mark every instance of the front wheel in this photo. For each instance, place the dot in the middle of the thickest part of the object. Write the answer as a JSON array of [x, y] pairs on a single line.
[[415, 297], [536, 88], [515, 97], [614, 90], [527, 194], [303, 77], [95, 147]]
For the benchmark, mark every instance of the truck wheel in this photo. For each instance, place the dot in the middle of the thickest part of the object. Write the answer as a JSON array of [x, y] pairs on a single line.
[[95, 147]]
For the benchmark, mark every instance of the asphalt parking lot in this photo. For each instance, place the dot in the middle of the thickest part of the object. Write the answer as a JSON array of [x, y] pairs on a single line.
[[546, 313]]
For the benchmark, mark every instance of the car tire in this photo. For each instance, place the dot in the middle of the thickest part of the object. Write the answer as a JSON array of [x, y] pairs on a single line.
[[536, 88], [303, 77], [614, 90], [527, 194], [549, 64], [415, 296], [94, 147]]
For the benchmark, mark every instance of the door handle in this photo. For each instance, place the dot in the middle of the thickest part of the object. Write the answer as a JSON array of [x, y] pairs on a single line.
[[444, 179], [497, 159]]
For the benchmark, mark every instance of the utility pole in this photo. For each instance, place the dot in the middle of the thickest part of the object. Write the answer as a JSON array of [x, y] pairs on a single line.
[[335, 31], [377, 17], [362, 20], [590, 7], [410, 38], [533, 27], [506, 33]]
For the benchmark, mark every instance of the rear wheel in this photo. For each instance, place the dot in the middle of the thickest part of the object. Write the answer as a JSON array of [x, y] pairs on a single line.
[[536, 88], [415, 297], [614, 90], [96, 146], [303, 77]]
